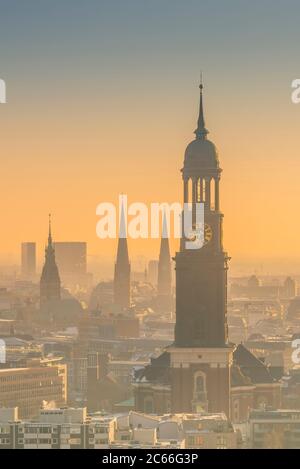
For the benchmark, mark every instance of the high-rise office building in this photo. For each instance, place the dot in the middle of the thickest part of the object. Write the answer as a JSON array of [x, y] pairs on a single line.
[[71, 257], [38, 383], [28, 260]]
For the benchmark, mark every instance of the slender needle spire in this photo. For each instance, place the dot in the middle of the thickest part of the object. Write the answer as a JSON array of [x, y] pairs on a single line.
[[201, 132], [49, 235]]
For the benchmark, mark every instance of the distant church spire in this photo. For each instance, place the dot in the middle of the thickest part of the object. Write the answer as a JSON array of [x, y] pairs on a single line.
[[122, 267], [50, 281], [49, 235], [201, 132], [164, 280]]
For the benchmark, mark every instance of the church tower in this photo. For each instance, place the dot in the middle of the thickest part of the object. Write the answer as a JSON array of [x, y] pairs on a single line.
[[50, 281], [122, 268], [200, 358], [164, 279]]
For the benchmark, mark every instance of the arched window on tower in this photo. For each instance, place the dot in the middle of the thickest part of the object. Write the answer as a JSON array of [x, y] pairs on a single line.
[[212, 194], [198, 190], [203, 190], [199, 386], [207, 192]]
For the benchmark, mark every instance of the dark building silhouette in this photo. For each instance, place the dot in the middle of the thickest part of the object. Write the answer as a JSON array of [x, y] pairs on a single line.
[[164, 277], [201, 274], [50, 281], [201, 357], [201, 370], [197, 365], [122, 268]]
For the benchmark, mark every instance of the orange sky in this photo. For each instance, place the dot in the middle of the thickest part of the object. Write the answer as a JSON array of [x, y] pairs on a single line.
[[68, 163], [103, 99]]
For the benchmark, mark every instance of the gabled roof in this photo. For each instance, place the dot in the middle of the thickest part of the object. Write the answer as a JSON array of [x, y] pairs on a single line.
[[250, 366], [157, 372]]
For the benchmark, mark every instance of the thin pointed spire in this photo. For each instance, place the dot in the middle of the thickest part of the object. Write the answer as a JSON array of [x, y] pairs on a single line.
[[122, 226], [201, 132], [50, 281], [165, 231], [49, 235], [122, 265], [164, 278]]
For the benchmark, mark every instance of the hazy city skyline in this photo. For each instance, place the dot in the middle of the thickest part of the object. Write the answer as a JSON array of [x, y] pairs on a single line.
[[149, 261]]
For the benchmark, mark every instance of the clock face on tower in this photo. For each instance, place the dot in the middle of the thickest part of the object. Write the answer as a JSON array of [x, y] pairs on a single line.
[[207, 235]]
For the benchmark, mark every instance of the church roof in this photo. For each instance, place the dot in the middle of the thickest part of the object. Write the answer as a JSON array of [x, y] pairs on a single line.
[[201, 154], [250, 366], [237, 377], [157, 372], [246, 369]]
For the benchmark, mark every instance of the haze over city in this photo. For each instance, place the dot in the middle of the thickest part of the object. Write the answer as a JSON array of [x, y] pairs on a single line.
[[173, 341]]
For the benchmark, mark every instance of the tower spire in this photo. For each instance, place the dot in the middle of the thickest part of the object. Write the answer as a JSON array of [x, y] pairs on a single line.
[[201, 132], [164, 278], [50, 281], [49, 234], [122, 265]]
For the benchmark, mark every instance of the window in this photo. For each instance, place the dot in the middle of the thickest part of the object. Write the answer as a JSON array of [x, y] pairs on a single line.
[[199, 386], [221, 442], [199, 383], [262, 402], [148, 405], [4, 429], [4, 441]]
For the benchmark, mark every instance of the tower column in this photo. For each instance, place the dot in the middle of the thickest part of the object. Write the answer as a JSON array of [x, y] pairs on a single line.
[[217, 205], [207, 192], [201, 189], [186, 191], [194, 200]]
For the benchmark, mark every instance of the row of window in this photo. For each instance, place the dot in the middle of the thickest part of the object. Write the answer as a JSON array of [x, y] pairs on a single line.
[[25, 376], [31, 385]]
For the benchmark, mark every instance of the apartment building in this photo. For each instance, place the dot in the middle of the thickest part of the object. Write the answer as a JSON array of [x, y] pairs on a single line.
[[73, 428], [41, 383], [61, 428], [278, 429]]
